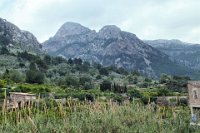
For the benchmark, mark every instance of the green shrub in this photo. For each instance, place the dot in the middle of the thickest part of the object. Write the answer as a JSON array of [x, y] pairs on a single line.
[[134, 93], [106, 85], [3, 83], [88, 86], [103, 71], [35, 77], [71, 81], [17, 76], [98, 77], [84, 79], [118, 98]]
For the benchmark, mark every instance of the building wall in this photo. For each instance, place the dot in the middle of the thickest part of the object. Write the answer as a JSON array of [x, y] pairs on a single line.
[[17, 97], [192, 87]]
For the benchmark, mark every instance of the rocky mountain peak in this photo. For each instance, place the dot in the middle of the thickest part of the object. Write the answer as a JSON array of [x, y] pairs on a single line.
[[23, 40], [71, 28], [109, 46], [2, 20], [110, 31]]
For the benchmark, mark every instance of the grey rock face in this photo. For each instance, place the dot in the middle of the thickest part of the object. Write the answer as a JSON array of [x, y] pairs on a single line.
[[18, 38], [186, 54], [110, 32], [109, 46], [70, 29]]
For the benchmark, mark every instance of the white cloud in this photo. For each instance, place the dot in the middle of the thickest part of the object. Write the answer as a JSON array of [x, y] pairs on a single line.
[[149, 19]]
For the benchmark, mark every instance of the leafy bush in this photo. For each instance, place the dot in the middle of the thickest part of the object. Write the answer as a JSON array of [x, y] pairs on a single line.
[[4, 50], [88, 86], [34, 77], [17, 76], [183, 102], [32, 88], [89, 97], [3, 83], [71, 81], [119, 89], [27, 56], [103, 71], [98, 77], [84, 79], [106, 85], [118, 98], [163, 92], [134, 93]]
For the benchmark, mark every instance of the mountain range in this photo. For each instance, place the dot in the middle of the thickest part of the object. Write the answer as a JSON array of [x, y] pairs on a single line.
[[186, 54], [110, 46]]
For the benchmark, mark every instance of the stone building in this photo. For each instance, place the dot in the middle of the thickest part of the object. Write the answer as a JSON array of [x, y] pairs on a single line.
[[194, 100], [18, 99], [18, 96]]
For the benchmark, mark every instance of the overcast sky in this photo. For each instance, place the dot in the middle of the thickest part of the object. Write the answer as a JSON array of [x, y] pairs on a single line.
[[148, 19]]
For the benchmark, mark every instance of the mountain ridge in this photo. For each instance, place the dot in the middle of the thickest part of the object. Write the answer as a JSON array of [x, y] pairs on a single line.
[[109, 46], [186, 54]]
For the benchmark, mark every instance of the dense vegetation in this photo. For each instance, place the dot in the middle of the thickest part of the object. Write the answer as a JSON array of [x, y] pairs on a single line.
[[99, 99], [86, 117], [77, 79]]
